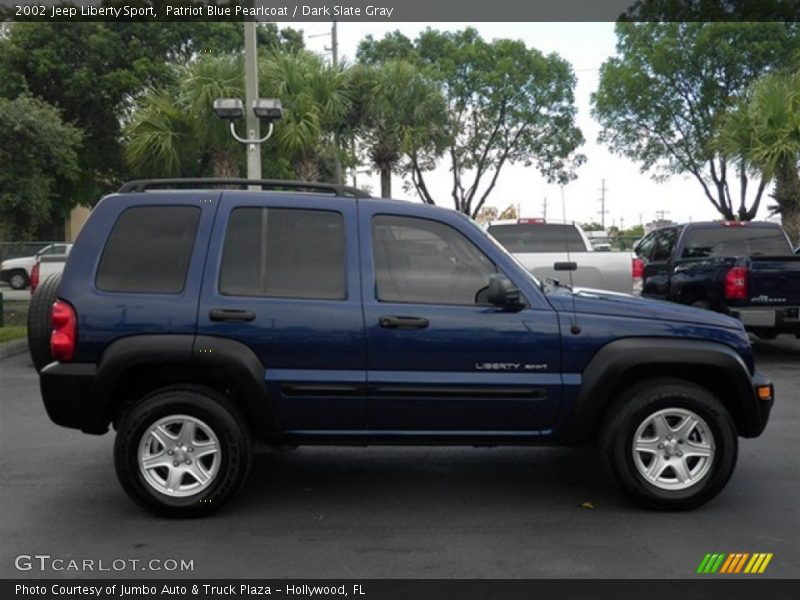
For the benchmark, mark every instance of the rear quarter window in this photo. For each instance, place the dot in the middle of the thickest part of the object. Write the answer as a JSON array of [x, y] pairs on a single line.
[[148, 250]]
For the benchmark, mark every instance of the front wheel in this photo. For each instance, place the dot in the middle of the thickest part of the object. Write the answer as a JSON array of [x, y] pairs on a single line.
[[182, 452], [18, 280], [670, 444]]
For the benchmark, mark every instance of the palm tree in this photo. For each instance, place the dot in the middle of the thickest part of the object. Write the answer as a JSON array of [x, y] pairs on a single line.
[[763, 135], [399, 111], [315, 100], [173, 131]]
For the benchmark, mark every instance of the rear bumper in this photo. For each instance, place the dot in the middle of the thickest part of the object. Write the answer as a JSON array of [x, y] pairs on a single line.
[[763, 405], [65, 391], [781, 319]]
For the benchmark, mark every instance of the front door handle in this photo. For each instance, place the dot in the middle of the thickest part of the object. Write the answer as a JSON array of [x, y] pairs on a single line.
[[231, 315], [396, 322]]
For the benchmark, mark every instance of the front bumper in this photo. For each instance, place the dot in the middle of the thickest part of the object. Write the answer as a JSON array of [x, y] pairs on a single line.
[[763, 405], [65, 391]]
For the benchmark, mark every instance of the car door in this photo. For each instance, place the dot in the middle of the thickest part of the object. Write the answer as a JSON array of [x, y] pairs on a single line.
[[282, 278], [440, 359], [658, 263]]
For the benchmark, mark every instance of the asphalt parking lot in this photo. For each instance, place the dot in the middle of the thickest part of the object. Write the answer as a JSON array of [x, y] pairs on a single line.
[[396, 512]]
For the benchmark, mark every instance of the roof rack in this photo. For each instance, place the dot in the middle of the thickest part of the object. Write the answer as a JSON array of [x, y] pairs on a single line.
[[142, 185]]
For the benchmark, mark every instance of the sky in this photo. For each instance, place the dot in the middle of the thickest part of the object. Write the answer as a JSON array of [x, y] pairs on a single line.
[[631, 197]]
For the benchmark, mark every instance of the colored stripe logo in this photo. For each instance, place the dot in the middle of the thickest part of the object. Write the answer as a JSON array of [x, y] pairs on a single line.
[[736, 562]]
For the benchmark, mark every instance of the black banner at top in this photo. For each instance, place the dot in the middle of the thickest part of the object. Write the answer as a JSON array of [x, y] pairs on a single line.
[[400, 10]]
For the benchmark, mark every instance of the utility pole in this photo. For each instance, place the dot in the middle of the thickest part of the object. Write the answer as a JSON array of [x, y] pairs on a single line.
[[250, 94], [622, 223], [544, 209], [603, 211]]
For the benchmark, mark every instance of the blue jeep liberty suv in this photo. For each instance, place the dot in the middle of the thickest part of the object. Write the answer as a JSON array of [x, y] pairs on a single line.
[[201, 317]]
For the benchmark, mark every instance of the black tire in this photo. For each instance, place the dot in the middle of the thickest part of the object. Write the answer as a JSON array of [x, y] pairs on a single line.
[[214, 411], [634, 408], [18, 280], [39, 323]]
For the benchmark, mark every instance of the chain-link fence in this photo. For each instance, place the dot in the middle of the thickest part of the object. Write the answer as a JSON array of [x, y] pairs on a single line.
[[17, 249]]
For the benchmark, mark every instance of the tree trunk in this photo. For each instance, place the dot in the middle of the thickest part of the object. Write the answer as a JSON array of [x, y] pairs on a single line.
[[386, 182], [224, 165], [791, 223], [305, 169], [787, 195]]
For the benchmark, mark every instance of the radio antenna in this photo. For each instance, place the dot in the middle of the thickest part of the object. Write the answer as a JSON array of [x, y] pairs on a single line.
[[574, 327]]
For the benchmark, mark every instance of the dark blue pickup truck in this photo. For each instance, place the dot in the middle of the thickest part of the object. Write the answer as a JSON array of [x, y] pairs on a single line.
[[200, 322], [746, 270]]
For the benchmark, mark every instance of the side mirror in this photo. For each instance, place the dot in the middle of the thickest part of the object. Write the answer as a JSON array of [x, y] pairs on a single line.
[[565, 266], [502, 292]]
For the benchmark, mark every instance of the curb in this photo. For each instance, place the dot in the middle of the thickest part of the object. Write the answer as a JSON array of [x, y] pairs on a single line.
[[13, 347]]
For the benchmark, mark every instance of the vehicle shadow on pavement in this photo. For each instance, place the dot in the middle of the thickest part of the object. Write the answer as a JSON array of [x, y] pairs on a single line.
[[408, 478]]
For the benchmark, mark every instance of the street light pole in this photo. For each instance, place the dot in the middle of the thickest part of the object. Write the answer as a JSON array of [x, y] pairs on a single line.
[[336, 142], [250, 94]]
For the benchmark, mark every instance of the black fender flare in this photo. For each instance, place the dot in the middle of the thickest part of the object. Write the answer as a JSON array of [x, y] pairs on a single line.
[[237, 360], [611, 363]]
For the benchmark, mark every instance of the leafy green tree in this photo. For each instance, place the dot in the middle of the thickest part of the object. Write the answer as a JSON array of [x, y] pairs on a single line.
[[594, 226], [399, 112], [506, 104], [94, 71], [762, 134], [39, 158], [393, 46], [661, 98]]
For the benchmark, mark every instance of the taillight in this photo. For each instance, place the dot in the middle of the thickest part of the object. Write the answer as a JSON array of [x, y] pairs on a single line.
[[736, 284], [535, 221], [34, 277], [637, 274], [62, 340], [637, 268]]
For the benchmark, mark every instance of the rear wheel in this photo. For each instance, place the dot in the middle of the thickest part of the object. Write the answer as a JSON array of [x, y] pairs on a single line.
[[670, 444], [182, 452], [39, 321]]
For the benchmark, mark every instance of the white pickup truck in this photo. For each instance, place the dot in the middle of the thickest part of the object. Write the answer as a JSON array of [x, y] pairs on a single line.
[[539, 245], [16, 272], [45, 266]]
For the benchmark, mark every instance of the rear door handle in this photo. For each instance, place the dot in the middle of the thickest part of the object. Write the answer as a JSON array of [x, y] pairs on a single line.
[[231, 315], [396, 322]]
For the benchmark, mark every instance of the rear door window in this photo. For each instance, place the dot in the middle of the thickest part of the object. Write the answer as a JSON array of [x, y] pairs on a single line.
[[663, 242], [149, 250], [284, 253]]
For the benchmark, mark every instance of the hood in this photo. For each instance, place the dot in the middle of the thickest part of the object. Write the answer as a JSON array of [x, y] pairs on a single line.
[[613, 304]]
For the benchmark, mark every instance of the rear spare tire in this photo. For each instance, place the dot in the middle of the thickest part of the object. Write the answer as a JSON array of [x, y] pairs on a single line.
[[39, 322]]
